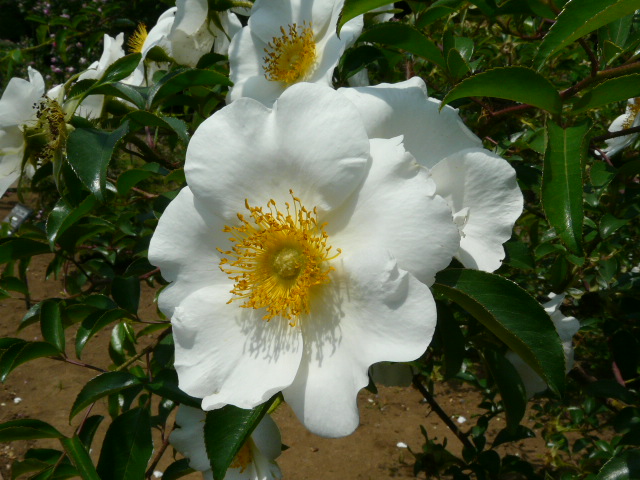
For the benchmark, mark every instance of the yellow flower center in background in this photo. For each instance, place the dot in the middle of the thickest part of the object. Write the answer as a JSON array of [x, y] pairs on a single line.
[[276, 258], [136, 41], [291, 57]]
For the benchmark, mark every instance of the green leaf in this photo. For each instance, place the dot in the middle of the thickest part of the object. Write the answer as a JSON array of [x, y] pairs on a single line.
[[577, 19], [64, 215], [451, 339], [624, 466], [562, 182], [27, 429], [610, 224], [80, 458], [165, 384], [177, 469], [355, 59], [89, 429], [611, 91], [135, 95], [89, 152], [18, 354], [225, 432], [179, 80], [509, 383], [519, 84], [432, 14], [51, 324], [93, 324], [101, 386], [17, 248], [127, 446], [405, 37], [120, 69], [353, 8], [126, 292], [512, 315], [140, 119], [14, 284]]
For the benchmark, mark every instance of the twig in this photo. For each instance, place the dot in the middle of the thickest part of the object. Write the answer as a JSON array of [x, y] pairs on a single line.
[[159, 455], [79, 364], [135, 358], [620, 133]]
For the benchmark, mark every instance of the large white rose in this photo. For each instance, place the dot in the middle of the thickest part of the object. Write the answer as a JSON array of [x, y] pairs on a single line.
[[299, 255], [255, 461], [285, 42], [480, 186], [566, 327]]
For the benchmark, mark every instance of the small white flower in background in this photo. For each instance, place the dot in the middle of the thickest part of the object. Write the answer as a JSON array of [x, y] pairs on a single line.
[[91, 107], [629, 119], [255, 461], [479, 185], [334, 238], [193, 34], [286, 42], [566, 327]]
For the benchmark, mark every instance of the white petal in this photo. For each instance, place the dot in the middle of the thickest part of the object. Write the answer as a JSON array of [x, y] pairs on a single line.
[[396, 210], [267, 439], [226, 354], [370, 312], [20, 98], [312, 142], [158, 35], [485, 185], [189, 438], [190, 15], [267, 16], [231, 26], [389, 110]]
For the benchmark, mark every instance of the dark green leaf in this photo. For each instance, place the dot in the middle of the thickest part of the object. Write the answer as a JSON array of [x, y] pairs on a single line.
[[22, 353], [611, 91], [512, 315], [225, 432], [451, 340], [518, 255], [17, 248], [182, 79], [120, 69], [165, 384], [89, 429], [135, 95], [140, 118], [519, 84], [89, 152], [610, 224], [562, 182], [14, 284], [27, 429], [510, 386], [126, 292], [177, 469], [127, 446], [64, 215], [577, 19], [432, 14], [93, 324], [355, 59], [457, 66], [353, 8], [625, 466], [51, 324], [405, 37], [80, 458], [505, 435], [101, 386], [130, 178], [32, 316]]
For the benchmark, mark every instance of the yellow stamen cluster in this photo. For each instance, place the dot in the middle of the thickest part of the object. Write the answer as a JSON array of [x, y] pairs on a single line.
[[277, 258], [291, 57], [632, 112], [49, 134], [136, 41]]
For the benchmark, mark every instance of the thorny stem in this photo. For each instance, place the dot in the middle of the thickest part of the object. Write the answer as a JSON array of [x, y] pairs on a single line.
[[441, 413]]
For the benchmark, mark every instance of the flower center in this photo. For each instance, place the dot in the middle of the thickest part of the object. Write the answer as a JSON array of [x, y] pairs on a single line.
[[48, 136], [291, 57], [632, 112], [136, 41], [277, 258]]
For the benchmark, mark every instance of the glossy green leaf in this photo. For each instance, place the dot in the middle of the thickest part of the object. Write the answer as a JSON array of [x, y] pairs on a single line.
[[130, 178], [126, 292], [27, 429], [512, 315], [51, 324], [141, 118], [225, 432], [135, 95], [101, 386], [89, 152], [610, 224], [89, 429], [64, 215], [80, 458], [577, 19], [177, 469], [127, 446], [457, 65], [519, 84], [165, 384], [179, 80], [451, 340], [353, 8], [18, 354], [614, 90], [93, 323], [432, 14], [355, 59], [624, 466], [17, 248], [510, 386], [405, 37], [562, 182], [120, 69]]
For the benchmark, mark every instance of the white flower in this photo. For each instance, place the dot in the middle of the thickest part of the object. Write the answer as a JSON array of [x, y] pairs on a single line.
[[255, 461], [91, 107], [332, 237], [630, 119], [566, 328], [480, 186], [193, 34], [285, 42]]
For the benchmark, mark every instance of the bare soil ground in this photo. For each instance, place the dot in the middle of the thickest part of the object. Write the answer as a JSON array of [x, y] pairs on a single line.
[[45, 389]]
